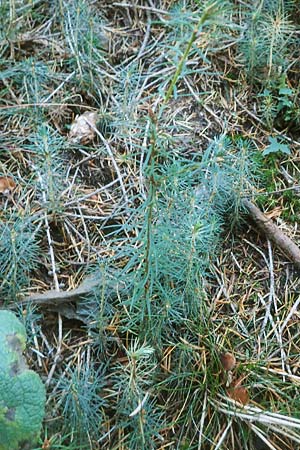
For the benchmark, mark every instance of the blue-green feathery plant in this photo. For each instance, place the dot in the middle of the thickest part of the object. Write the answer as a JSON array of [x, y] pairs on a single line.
[[33, 81], [187, 24], [175, 237], [140, 418], [162, 253], [49, 169], [184, 216], [79, 399], [19, 252], [85, 39], [31, 78], [10, 15], [269, 38]]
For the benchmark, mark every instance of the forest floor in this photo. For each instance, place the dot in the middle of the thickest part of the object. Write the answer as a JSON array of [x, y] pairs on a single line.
[[82, 84]]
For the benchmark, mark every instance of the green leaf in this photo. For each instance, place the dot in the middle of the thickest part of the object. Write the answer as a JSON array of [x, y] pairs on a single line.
[[22, 393], [276, 147], [286, 91], [266, 93]]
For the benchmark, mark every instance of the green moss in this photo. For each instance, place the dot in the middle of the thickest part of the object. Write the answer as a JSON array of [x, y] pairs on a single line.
[[291, 211], [268, 175], [289, 199]]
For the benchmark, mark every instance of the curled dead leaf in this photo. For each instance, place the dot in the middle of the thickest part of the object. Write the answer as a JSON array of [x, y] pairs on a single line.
[[239, 394], [228, 361], [81, 130], [7, 185]]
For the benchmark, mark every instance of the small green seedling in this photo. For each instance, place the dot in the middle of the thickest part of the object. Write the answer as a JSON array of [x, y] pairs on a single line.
[[276, 147]]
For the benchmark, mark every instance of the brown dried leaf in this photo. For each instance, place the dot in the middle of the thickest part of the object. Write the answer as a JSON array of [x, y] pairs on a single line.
[[81, 132], [239, 394], [228, 361], [7, 185]]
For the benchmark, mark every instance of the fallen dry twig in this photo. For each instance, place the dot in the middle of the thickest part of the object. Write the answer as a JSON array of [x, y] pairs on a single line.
[[273, 232], [55, 298], [71, 304]]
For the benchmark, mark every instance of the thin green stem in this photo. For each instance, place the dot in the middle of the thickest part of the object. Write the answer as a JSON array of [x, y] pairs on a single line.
[[211, 9]]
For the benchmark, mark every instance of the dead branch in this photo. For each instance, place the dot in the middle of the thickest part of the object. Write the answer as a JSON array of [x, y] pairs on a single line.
[[55, 298], [273, 232]]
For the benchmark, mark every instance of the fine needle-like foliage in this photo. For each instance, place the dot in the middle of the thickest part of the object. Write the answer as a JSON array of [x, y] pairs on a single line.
[[268, 39], [19, 252], [48, 167], [182, 220], [79, 401]]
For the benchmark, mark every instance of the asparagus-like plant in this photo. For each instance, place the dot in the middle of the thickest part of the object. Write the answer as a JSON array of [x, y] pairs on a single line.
[[19, 251], [268, 39]]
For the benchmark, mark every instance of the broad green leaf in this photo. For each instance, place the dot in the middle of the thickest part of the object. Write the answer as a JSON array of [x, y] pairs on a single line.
[[276, 147], [286, 91]]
